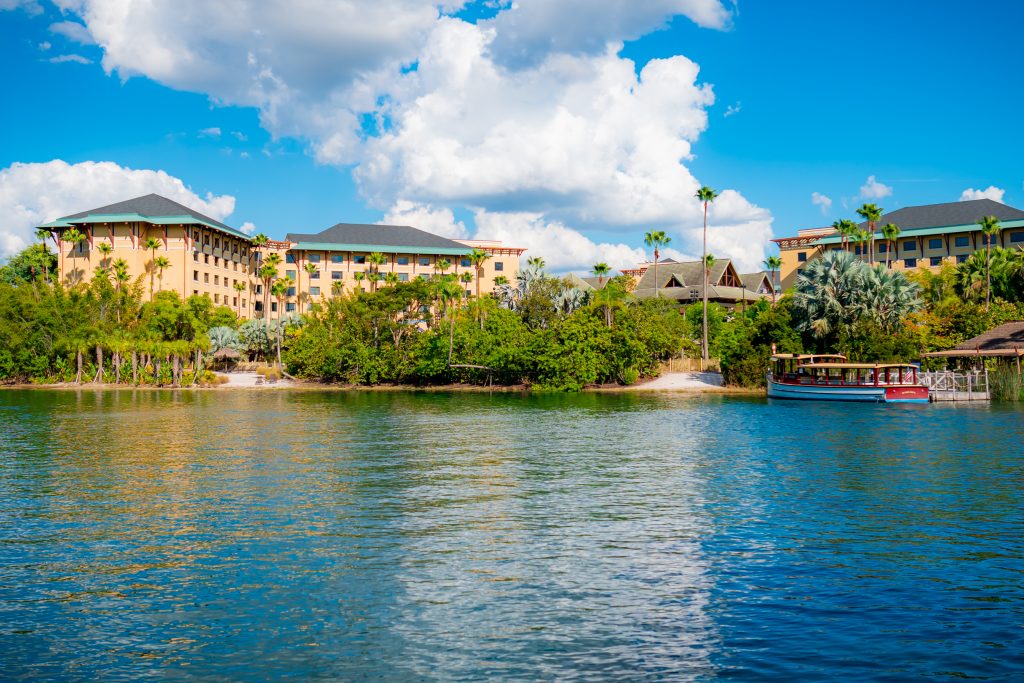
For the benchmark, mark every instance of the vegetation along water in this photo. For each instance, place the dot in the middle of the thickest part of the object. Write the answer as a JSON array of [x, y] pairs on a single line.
[[412, 536]]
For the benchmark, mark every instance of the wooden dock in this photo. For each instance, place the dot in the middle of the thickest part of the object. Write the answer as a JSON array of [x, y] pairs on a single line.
[[946, 385]]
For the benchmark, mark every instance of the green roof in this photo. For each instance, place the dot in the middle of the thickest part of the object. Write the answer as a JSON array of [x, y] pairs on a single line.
[[920, 232], [384, 248]]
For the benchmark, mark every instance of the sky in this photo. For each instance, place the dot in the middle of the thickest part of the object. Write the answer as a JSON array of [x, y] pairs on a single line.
[[569, 127]]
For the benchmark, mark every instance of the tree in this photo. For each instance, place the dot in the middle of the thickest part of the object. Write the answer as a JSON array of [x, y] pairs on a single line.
[[608, 298], [449, 292], [337, 287], [989, 227], [772, 265], [105, 249], [280, 292], [706, 195], [73, 236], [239, 288], [267, 274], [391, 279], [466, 277], [536, 262], [161, 263], [259, 241], [151, 245], [847, 229], [891, 232], [500, 281], [442, 265], [310, 269], [359, 277], [42, 235], [375, 259], [477, 258], [600, 270], [871, 213]]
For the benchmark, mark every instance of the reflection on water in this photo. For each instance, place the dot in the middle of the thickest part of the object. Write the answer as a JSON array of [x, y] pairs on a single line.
[[398, 536]]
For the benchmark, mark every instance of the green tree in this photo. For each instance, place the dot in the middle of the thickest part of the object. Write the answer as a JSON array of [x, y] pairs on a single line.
[[161, 263], [151, 245], [375, 260], [891, 232], [267, 273], [600, 270], [706, 195], [772, 265], [989, 228], [870, 213], [310, 269], [656, 239], [239, 288]]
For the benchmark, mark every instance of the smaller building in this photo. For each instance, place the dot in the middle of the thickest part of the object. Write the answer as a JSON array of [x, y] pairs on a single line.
[[684, 282]]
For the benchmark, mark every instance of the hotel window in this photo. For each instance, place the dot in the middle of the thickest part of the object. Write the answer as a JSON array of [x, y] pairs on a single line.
[[801, 256], [289, 307], [257, 306], [337, 275], [424, 260], [289, 258], [1017, 237], [216, 298], [314, 258], [909, 245], [244, 304], [234, 301], [499, 266], [882, 247], [910, 263], [216, 243], [206, 239], [962, 241], [216, 279], [195, 256], [291, 291], [290, 273], [464, 263], [195, 275], [337, 258], [206, 258], [935, 260], [195, 292], [315, 275], [314, 291], [259, 289], [935, 243], [216, 261], [402, 260], [358, 259], [961, 258], [403, 277], [273, 307], [234, 248], [206, 278]]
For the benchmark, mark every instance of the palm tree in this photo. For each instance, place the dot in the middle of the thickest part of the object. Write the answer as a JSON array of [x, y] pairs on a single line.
[[449, 291], [376, 259], [72, 236], [600, 270], [536, 262], [772, 265], [267, 274], [391, 279], [500, 281], [42, 235], [161, 263], [477, 258], [280, 292], [359, 277], [706, 195], [466, 277], [608, 298], [871, 213], [258, 242], [846, 229], [891, 232], [151, 245], [105, 249], [337, 287], [656, 239], [989, 227], [310, 269], [442, 265], [239, 287]]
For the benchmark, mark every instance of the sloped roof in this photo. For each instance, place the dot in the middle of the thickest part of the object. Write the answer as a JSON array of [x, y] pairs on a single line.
[[1007, 336], [755, 280], [150, 206], [689, 273], [945, 215], [366, 236], [696, 292]]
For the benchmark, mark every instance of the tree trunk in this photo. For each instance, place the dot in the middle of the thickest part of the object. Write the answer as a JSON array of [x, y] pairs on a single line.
[[451, 337], [135, 368], [99, 364], [117, 367], [176, 369], [704, 345], [156, 371], [988, 269], [78, 376]]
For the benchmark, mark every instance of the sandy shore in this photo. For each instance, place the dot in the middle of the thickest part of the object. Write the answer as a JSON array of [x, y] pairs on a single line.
[[690, 382]]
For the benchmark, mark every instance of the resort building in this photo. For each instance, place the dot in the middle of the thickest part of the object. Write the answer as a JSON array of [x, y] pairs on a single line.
[[929, 237], [684, 282], [197, 255]]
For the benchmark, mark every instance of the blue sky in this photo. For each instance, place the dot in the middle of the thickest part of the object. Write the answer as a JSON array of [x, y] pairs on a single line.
[[808, 98]]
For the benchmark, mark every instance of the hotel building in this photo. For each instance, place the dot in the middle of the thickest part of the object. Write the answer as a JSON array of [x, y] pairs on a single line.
[[930, 236], [208, 257]]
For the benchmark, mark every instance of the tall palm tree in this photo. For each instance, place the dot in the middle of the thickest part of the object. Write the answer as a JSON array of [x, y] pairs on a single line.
[[161, 263], [477, 258], [772, 265], [600, 270], [310, 269], [151, 245], [989, 227], [72, 236], [359, 277], [608, 298], [449, 292], [105, 249], [706, 195], [337, 287], [466, 277], [656, 239], [258, 242], [280, 292], [42, 235], [891, 232], [871, 213], [239, 287], [375, 259], [267, 274], [391, 279], [442, 265]]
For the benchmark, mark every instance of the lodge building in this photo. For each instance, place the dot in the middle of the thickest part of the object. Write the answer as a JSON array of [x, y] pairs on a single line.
[[930, 236], [209, 258]]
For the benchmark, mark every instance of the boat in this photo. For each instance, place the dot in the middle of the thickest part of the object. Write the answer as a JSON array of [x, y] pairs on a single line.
[[832, 378]]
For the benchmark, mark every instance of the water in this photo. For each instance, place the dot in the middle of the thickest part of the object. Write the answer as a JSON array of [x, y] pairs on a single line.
[[264, 535]]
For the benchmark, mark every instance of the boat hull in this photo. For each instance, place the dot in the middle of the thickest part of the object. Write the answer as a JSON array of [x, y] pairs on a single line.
[[863, 394]]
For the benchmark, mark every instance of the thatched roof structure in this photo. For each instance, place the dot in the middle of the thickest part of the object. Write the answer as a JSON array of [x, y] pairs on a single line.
[[226, 353], [1001, 341]]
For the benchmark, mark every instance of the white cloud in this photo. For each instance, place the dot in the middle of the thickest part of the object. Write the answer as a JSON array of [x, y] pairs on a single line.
[[442, 113], [823, 201], [72, 30], [239, 135], [36, 193], [248, 228], [991, 192], [561, 247], [44, 46], [77, 59], [440, 221], [212, 132], [31, 7], [733, 109], [872, 189]]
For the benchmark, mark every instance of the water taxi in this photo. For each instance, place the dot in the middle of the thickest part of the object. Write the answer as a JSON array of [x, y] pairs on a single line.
[[832, 378]]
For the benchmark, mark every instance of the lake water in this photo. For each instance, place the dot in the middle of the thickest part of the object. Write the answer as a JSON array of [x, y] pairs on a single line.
[[271, 534]]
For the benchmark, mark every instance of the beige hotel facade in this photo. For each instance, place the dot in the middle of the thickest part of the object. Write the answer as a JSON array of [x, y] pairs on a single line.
[[208, 257]]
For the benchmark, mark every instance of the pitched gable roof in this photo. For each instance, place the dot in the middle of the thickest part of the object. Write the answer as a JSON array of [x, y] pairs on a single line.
[[367, 236], [755, 281], [948, 214], [148, 206], [1009, 335], [686, 274]]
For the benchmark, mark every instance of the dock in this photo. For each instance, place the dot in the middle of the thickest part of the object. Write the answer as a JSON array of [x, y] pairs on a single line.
[[946, 385]]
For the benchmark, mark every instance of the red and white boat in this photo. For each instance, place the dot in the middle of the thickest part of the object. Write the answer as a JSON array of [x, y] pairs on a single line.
[[832, 378]]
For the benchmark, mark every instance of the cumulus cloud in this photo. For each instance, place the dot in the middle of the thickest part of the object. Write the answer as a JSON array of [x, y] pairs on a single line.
[[77, 59], [443, 113], [991, 192], [36, 193], [823, 201], [44, 46], [562, 248], [213, 132], [872, 189], [248, 228], [440, 221], [72, 30]]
